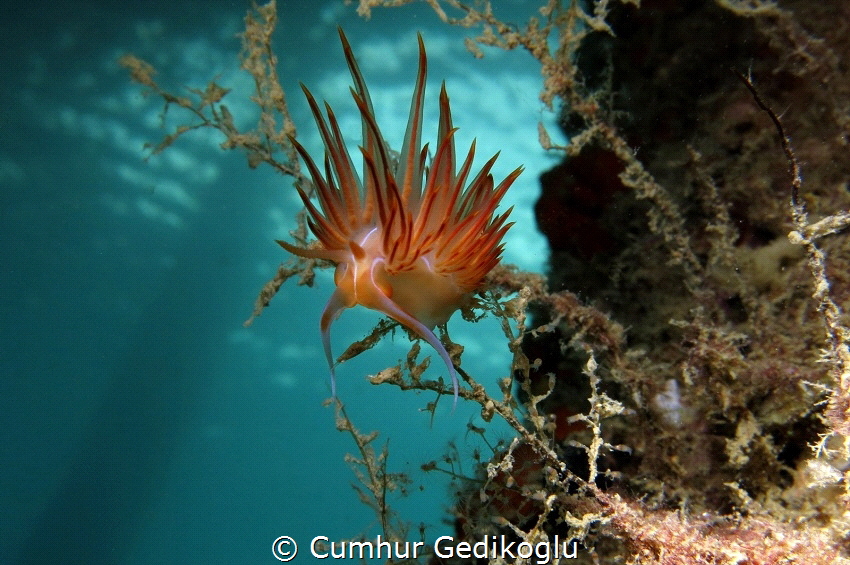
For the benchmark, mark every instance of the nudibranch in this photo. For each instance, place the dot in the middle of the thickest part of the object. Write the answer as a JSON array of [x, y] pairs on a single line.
[[410, 240]]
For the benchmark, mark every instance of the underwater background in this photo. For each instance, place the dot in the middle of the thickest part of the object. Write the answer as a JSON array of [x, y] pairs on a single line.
[[141, 421]]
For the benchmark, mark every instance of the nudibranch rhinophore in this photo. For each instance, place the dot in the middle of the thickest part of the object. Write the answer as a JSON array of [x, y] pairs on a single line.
[[410, 240]]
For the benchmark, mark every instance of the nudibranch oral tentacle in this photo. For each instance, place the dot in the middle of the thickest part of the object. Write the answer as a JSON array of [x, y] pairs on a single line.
[[412, 250]]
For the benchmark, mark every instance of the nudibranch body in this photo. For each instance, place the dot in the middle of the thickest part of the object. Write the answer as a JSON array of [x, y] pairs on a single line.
[[412, 250]]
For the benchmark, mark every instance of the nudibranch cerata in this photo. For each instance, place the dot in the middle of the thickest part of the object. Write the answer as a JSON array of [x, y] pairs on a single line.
[[412, 250]]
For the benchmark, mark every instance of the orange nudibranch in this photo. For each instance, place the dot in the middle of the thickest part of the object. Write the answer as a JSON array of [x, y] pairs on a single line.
[[409, 240]]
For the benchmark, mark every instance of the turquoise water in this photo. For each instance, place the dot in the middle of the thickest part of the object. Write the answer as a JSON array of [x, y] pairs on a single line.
[[140, 421]]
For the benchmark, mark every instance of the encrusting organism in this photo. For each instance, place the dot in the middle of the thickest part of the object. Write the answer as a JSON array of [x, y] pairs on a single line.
[[412, 251]]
